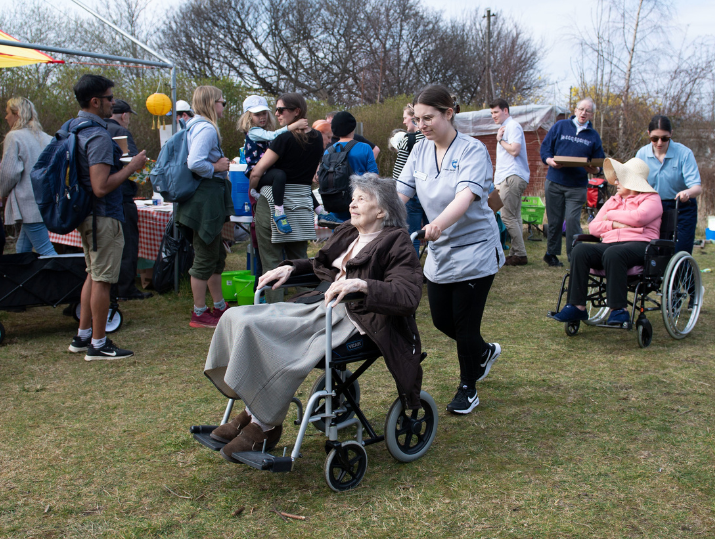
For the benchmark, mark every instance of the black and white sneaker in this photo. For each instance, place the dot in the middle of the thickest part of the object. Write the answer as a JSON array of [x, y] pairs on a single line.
[[80, 344], [108, 352], [464, 401], [489, 357]]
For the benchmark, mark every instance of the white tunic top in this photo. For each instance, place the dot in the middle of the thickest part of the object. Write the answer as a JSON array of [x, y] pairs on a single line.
[[470, 248]]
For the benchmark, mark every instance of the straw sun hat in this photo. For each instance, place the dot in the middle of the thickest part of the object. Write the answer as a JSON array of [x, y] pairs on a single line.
[[631, 175]]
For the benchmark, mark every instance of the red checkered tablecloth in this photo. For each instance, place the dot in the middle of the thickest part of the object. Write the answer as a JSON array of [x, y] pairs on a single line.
[[152, 224]]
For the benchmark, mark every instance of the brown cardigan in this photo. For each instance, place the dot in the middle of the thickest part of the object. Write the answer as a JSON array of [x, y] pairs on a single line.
[[393, 274]]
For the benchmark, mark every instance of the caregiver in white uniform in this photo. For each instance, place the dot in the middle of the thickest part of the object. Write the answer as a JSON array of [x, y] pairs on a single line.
[[451, 174]]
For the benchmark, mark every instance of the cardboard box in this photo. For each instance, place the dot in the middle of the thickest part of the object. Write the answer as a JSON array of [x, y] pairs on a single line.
[[568, 161], [146, 275]]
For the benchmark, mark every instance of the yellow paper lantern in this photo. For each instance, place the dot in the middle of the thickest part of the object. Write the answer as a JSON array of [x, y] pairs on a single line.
[[158, 105]]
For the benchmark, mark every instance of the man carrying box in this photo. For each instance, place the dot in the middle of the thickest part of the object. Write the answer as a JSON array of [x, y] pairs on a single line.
[[566, 187]]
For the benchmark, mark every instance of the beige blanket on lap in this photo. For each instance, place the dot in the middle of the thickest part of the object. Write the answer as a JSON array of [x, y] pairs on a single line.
[[262, 353]]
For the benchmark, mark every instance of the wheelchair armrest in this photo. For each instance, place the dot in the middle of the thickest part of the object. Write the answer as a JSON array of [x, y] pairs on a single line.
[[355, 296], [586, 238], [308, 280], [662, 243]]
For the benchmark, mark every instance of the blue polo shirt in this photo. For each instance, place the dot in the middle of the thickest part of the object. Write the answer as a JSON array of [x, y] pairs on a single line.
[[677, 172]]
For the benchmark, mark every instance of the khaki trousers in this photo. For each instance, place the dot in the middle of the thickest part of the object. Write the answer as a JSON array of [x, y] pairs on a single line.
[[510, 191]]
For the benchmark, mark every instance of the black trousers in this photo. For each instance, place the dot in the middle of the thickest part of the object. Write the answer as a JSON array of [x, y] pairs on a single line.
[[457, 310], [276, 178], [615, 258], [130, 255]]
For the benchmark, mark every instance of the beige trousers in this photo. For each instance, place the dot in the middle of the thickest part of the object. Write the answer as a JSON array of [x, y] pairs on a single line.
[[510, 191]]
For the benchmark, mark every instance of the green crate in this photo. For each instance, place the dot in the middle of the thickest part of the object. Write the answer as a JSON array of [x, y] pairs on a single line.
[[532, 210], [228, 283]]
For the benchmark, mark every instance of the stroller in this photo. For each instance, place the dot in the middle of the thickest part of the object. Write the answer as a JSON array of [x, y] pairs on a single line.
[[30, 280], [596, 196]]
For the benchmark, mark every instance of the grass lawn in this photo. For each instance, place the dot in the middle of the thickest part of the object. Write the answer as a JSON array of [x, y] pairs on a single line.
[[588, 436]]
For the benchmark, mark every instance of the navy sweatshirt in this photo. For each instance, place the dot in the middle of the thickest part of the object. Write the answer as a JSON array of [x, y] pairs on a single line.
[[563, 140]]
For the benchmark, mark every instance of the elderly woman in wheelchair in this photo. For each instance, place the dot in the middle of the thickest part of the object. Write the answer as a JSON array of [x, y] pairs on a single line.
[[625, 225], [262, 353]]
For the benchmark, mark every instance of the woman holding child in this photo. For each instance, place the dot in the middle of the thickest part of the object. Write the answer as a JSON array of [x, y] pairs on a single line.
[[296, 154]]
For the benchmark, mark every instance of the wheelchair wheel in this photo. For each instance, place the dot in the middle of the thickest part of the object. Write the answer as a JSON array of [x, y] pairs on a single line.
[[596, 315], [2, 333], [409, 434], [645, 333], [571, 328], [682, 295], [319, 385], [75, 308], [345, 466]]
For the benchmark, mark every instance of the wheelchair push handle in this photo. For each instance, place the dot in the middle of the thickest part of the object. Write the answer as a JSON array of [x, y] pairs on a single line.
[[418, 235]]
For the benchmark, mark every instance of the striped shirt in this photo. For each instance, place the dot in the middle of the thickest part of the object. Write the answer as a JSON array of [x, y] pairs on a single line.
[[403, 153]]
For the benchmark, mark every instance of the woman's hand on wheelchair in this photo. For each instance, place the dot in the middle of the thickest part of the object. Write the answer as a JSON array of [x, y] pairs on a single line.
[[432, 232], [339, 289], [279, 274]]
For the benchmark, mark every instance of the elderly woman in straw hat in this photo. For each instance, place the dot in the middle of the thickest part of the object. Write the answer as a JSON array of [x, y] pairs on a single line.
[[626, 224]]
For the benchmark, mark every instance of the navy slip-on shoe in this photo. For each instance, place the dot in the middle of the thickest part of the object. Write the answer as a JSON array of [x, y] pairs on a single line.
[[570, 314]]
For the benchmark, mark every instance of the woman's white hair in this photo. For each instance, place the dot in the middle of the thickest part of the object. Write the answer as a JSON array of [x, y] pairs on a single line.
[[385, 192]]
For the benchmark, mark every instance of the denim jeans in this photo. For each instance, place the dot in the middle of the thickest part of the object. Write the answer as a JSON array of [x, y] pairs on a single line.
[[34, 235], [416, 219]]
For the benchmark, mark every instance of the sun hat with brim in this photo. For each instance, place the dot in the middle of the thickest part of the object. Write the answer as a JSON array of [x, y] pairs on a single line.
[[255, 104], [632, 174]]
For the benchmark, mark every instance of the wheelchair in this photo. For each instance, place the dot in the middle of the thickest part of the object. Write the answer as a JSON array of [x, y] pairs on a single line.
[[667, 281], [334, 405]]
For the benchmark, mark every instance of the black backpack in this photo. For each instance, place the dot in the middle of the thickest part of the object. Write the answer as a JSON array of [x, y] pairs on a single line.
[[334, 179]]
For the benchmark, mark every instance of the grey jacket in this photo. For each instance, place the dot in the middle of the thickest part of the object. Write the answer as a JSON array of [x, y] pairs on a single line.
[[21, 150]]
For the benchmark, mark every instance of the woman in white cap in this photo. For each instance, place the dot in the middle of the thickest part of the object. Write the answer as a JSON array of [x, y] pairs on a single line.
[[625, 224]]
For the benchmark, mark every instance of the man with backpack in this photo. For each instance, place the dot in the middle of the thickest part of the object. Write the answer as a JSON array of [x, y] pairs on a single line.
[[100, 172], [118, 126], [340, 161]]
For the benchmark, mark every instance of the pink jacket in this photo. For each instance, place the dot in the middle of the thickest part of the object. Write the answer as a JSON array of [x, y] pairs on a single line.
[[642, 211]]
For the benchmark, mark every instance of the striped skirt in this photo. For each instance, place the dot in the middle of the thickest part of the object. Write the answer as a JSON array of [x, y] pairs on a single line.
[[298, 206]]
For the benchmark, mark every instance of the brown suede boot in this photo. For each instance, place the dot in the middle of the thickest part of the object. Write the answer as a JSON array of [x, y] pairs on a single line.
[[251, 439], [228, 431], [515, 261]]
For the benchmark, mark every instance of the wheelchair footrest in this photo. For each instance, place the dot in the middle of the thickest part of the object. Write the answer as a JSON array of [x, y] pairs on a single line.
[[264, 461], [201, 434]]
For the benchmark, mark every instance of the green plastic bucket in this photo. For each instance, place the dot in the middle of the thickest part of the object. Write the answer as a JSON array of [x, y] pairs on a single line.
[[228, 283], [244, 288]]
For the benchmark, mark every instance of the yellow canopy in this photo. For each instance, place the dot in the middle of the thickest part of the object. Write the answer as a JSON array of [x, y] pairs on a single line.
[[18, 56]]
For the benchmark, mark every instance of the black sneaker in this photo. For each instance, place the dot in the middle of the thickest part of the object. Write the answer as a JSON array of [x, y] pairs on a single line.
[[552, 261], [464, 401], [108, 352], [79, 344], [489, 357]]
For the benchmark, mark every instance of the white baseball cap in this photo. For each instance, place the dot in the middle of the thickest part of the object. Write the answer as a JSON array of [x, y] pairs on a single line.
[[254, 104], [182, 106]]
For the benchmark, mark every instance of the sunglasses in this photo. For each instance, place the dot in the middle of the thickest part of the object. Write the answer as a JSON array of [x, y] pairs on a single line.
[[280, 110], [222, 101], [109, 98], [656, 139]]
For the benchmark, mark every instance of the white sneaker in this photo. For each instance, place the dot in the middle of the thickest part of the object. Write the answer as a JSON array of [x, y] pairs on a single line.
[[491, 354]]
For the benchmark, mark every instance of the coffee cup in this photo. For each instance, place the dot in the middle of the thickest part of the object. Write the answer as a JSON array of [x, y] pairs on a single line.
[[123, 144]]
